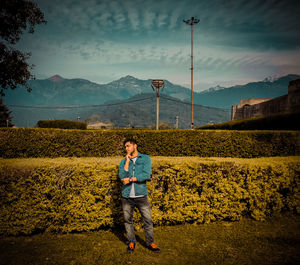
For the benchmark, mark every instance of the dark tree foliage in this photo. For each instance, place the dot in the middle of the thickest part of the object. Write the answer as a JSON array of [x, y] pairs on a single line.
[[5, 119], [16, 16]]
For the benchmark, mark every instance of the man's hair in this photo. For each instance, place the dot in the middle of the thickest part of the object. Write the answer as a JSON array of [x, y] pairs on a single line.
[[131, 140]]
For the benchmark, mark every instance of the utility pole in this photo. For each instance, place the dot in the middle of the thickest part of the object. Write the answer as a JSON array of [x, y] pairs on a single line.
[[156, 85], [191, 22]]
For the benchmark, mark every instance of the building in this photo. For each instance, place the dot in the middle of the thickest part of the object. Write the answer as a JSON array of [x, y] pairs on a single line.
[[267, 106], [100, 125]]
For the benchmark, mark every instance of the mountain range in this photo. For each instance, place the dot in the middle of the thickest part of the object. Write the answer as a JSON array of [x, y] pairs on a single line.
[[60, 91], [227, 97], [67, 95]]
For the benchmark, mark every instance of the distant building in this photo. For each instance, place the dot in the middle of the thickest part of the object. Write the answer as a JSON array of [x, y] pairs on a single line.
[[267, 106], [100, 125]]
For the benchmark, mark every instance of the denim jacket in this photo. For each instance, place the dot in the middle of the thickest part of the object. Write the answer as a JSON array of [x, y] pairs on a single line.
[[141, 169]]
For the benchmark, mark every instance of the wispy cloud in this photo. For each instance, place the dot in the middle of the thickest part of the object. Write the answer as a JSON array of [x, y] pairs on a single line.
[[267, 24], [149, 18], [233, 37]]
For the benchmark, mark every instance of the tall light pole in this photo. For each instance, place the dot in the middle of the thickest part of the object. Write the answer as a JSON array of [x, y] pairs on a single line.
[[191, 22], [156, 85], [176, 125]]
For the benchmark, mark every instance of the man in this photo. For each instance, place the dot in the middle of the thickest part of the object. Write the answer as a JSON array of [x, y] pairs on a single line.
[[134, 171]]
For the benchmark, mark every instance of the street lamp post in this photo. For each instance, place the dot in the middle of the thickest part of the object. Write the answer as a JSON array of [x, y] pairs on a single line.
[[156, 85], [191, 22]]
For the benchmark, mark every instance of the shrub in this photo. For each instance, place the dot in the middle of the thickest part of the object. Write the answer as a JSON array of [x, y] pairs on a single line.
[[81, 194], [39, 142], [283, 121], [62, 124]]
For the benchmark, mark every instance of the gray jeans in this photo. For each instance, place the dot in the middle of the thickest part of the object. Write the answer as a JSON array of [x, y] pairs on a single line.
[[143, 205]]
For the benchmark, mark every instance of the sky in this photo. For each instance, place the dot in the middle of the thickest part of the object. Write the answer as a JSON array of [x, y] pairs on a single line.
[[235, 42]]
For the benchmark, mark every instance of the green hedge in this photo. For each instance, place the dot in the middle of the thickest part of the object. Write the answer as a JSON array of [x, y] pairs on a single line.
[[284, 121], [62, 124], [82, 194], [38, 142]]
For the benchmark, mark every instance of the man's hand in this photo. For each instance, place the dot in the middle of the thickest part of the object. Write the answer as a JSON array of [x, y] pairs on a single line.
[[125, 181], [129, 180], [126, 165]]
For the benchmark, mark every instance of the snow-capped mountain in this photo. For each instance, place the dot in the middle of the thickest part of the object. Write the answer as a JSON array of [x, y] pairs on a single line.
[[271, 78], [212, 89]]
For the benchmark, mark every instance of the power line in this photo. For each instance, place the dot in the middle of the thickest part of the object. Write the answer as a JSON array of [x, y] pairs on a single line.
[[108, 105], [187, 103], [78, 107]]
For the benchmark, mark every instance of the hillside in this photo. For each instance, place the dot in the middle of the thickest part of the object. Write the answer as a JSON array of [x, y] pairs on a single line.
[[58, 91], [138, 111], [226, 97]]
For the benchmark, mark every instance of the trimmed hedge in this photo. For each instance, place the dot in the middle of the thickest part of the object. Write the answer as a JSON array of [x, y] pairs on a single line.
[[38, 142], [82, 194], [62, 124], [283, 121]]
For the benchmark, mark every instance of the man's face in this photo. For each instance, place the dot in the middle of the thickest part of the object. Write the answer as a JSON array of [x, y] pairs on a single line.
[[130, 148]]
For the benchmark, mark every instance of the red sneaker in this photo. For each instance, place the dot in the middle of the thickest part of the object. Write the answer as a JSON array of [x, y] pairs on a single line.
[[154, 248], [131, 247]]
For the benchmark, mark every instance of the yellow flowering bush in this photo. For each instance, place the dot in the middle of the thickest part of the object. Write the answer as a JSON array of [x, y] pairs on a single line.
[[81, 194]]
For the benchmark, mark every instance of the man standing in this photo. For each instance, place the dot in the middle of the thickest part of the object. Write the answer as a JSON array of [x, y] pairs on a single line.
[[134, 171]]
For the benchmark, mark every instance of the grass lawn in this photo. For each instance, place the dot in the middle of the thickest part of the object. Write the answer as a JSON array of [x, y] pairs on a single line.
[[275, 241]]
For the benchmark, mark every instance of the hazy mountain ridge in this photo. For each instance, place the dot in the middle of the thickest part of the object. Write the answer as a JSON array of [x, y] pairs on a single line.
[[58, 91], [227, 97]]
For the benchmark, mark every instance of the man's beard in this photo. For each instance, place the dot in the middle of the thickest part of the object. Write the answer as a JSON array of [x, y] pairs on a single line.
[[131, 153]]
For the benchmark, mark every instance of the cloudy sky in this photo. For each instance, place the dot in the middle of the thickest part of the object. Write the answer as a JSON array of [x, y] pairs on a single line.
[[103, 40]]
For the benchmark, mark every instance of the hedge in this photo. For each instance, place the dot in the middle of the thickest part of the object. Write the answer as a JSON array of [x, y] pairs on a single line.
[[83, 194], [39, 142], [62, 124], [283, 121]]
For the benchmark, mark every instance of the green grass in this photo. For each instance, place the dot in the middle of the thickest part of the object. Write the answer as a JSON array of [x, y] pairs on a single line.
[[276, 241]]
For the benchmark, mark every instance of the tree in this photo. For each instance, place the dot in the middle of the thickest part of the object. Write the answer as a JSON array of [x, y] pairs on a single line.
[[16, 16], [5, 119]]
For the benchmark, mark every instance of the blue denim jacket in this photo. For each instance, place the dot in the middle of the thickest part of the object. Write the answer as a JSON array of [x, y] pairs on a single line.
[[142, 171]]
